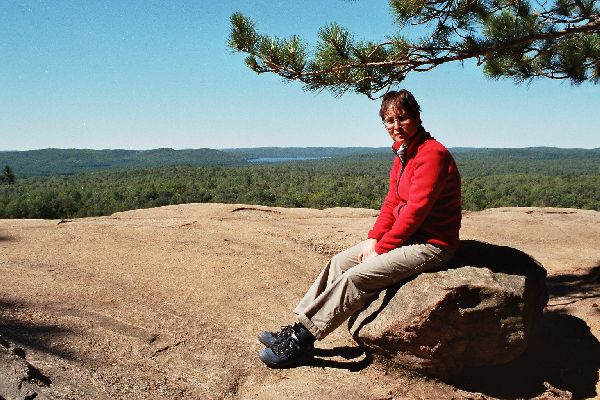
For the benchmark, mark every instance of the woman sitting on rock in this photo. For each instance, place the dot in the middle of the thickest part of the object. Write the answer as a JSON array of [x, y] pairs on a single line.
[[416, 231]]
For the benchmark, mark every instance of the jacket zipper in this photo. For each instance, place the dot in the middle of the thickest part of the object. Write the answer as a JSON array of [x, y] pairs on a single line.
[[400, 174]]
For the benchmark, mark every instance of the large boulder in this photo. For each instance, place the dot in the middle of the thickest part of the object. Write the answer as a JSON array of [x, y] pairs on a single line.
[[480, 310]]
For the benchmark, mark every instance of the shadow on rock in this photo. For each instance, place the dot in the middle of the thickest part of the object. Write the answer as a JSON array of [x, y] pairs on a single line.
[[357, 358], [572, 288], [497, 258], [18, 378], [30, 334], [5, 238], [563, 353]]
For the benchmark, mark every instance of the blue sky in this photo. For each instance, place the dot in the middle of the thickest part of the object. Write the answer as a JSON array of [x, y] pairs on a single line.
[[148, 74]]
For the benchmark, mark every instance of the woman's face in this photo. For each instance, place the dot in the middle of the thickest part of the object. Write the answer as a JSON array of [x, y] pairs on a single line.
[[400, 125]]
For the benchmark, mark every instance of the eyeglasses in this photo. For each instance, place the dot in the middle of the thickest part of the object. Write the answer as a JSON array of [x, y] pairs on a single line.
[[401, 119]]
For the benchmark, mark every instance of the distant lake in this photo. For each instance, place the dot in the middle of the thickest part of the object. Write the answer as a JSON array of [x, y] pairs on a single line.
[[282, 159]]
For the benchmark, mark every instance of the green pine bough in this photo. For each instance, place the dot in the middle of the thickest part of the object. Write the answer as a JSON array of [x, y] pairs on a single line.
[[516, 39]]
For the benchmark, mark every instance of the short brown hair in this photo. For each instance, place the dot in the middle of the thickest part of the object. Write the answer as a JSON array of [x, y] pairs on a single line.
[[402, 98]]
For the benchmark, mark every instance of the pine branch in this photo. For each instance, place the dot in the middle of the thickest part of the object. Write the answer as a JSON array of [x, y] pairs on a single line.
[[518, 43], [422, 59]]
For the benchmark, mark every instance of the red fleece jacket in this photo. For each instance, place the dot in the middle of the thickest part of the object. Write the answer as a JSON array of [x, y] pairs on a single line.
[[423, 201]]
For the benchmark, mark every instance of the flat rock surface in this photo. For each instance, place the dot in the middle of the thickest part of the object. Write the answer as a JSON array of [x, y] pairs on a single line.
[[166, 303]]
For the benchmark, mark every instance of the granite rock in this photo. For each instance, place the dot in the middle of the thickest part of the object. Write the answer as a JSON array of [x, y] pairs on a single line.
[[480, 310]]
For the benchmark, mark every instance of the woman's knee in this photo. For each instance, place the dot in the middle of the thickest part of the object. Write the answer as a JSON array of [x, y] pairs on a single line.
[[366, 282], [344, 260]]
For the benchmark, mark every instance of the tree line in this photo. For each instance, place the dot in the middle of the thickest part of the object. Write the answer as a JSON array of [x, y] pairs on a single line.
[[47, 162], [339, 182]]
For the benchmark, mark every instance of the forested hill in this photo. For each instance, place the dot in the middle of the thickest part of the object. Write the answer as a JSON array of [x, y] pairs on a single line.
[[548, 161], [316, 152], [48, 162], [536, 177], [533, 153]]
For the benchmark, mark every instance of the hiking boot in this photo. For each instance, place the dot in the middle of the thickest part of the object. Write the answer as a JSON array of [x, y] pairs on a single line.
[[271, 338], [296, 345]]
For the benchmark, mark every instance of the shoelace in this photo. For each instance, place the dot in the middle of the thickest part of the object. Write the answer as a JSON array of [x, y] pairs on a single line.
[[286, 331], [287, 346]]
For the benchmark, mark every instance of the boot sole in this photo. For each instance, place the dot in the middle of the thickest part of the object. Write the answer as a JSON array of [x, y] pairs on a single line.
[[289, 363]]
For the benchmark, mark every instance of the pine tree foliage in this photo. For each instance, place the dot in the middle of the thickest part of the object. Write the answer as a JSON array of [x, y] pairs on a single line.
[[518, 39], [7, 176]]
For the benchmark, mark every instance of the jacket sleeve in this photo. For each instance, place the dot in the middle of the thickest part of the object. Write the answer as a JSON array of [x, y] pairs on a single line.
[[386, 219], [428, 180]]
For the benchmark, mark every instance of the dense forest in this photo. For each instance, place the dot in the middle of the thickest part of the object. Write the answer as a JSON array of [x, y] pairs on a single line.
[[491, 178], [47, 162]]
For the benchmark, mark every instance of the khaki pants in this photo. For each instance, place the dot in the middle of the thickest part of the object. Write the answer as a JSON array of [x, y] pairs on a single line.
[[344, 286]]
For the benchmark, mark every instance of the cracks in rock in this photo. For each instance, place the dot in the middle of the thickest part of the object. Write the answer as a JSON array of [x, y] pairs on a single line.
[[255, 209], [574, 299], [549, 212], [188, 224], [166, 348]]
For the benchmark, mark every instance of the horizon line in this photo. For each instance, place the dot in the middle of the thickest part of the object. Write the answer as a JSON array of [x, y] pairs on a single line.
[[294, 147]]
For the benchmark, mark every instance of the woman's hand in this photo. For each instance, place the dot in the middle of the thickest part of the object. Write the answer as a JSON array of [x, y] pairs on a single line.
[[368, 250]]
